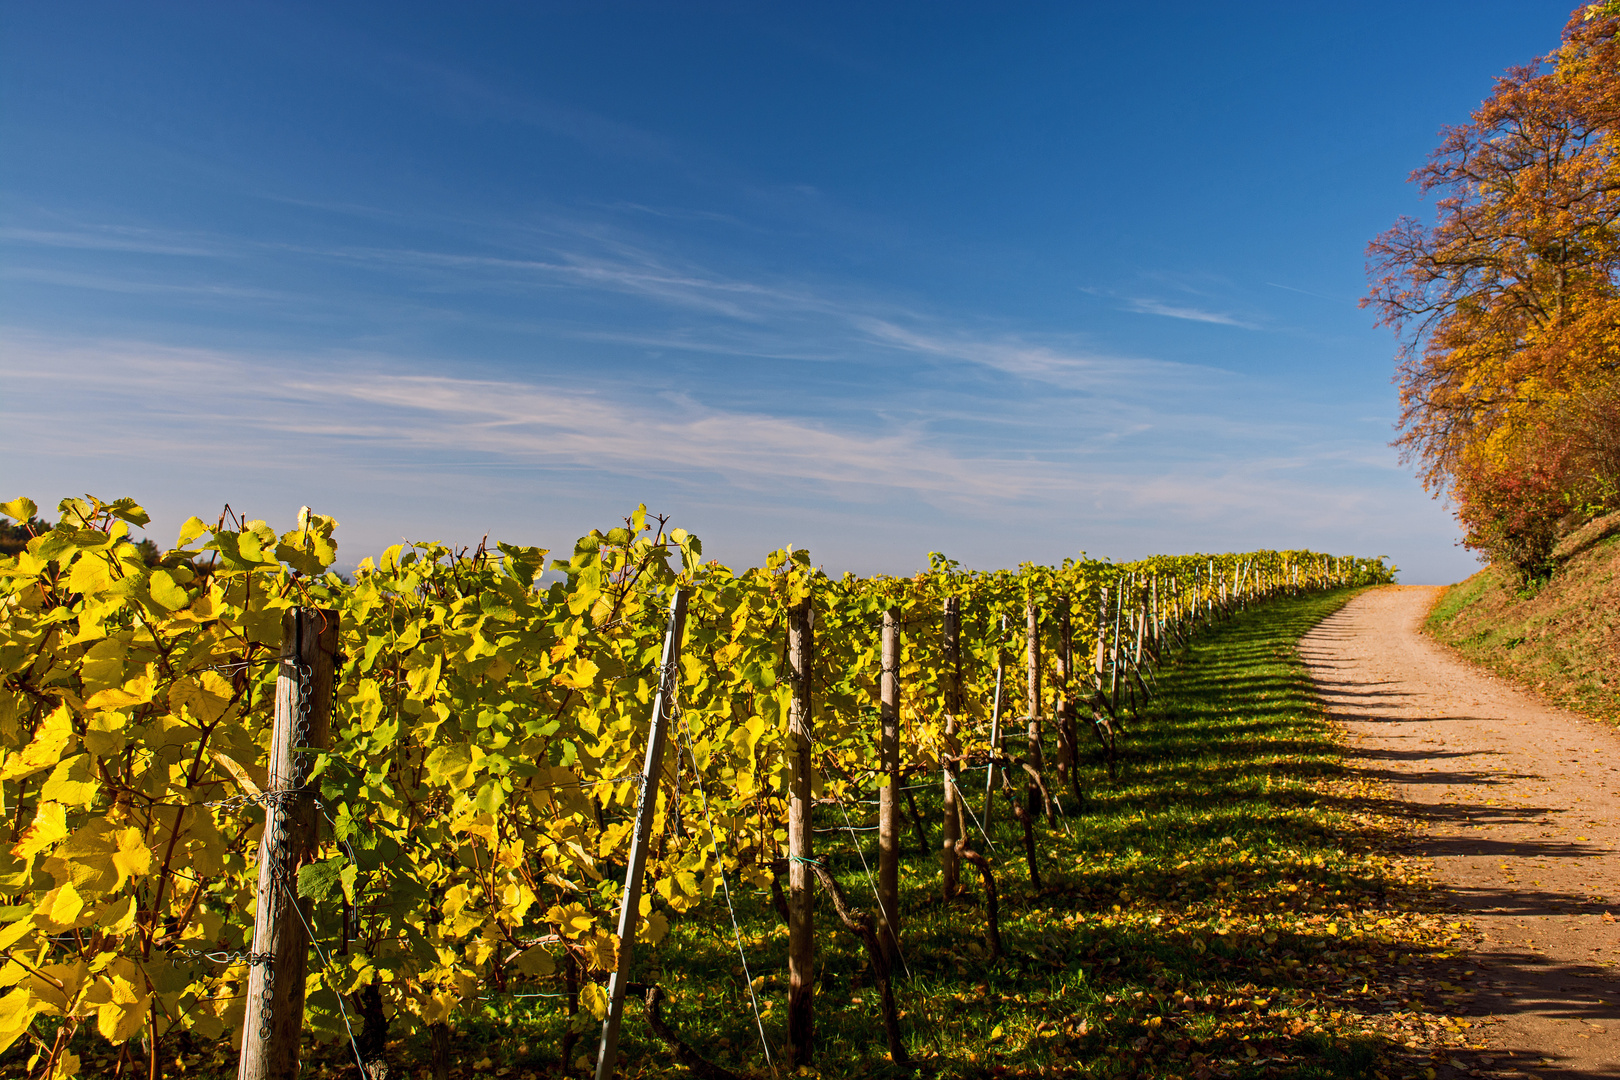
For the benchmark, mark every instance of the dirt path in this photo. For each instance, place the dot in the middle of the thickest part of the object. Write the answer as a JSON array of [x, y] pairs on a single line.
[[1520, 803]]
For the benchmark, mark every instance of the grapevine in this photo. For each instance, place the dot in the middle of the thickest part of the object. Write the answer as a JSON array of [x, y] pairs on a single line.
[[488, 727]]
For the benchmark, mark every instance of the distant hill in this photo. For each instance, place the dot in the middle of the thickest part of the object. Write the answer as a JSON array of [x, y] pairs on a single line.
[[1561, 639]]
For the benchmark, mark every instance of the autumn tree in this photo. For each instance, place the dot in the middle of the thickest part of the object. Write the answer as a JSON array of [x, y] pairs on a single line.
[[1507, 307]]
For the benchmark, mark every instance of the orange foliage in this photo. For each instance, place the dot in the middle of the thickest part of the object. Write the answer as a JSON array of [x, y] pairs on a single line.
[[1508, 306]]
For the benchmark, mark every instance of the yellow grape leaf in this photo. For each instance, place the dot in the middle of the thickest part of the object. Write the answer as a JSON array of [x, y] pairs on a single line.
[[57, 986], [100, 857], [118, 917], [137, 691], [437, 1006], [571, 920], [192, 529], [206, 1025], [72, 782], [536, 961], [605, 951], [90, 574], [653, 928], [17, 1010], [166, 591], [131, 858], [19, 509], [517, 897], [205, 697], [455, 898], [103, 664], [50, 740], [14, 933], [59, 909], [49, 826], [580, 675], [104, 733], [449, 765], [423, 674], [594, 999], [125, 1013]]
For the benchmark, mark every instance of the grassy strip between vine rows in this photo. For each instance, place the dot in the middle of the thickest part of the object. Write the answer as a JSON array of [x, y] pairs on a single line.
[[1233, 906]]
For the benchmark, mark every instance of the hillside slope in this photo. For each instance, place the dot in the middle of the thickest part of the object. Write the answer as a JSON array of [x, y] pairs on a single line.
[[1561, 640]]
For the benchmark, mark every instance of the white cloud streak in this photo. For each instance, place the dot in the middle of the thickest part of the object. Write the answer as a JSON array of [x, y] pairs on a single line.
[[236, 411], [1173, 311], [182, 399]]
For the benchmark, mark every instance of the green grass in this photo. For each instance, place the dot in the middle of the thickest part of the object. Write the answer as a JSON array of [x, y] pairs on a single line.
[[1556, 639], [1230, 906]]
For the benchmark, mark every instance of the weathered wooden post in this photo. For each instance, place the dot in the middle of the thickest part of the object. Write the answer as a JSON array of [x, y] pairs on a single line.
[[652, 769], [801, 931], [1032, 658], [888, 883], [1068, 748], [1102, 639], [995, 730], [1113, 653], [949, 865], [279, 955]]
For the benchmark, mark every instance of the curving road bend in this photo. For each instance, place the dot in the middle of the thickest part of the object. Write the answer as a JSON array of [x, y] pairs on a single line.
[[1519, 806]]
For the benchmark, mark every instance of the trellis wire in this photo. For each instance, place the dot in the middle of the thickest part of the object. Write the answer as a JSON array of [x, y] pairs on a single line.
[[725, 886]]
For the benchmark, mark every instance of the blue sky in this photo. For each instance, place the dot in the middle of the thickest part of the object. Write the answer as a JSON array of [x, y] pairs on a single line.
[[1004, 280]]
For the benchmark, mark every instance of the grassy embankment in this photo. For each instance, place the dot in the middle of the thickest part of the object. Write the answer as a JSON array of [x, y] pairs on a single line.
[[1559, 638], [1232, 906]]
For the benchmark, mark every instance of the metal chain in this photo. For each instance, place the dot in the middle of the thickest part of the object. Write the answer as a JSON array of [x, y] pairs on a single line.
[[222, 956]]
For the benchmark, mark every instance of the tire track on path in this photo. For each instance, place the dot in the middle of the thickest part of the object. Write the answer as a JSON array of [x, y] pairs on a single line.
[[1518, 804]]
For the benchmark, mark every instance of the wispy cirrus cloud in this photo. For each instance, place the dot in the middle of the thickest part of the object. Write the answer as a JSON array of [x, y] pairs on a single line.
[[117, 238], [359, 406], [1192, 314], [357, 429]]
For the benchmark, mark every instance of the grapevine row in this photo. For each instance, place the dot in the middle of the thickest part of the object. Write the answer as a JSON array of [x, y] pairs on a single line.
[[489, 718]]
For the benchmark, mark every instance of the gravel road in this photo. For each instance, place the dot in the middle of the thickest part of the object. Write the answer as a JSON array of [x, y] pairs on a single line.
[[1518, 805]]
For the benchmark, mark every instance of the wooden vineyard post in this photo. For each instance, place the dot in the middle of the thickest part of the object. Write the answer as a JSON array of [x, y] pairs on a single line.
[[1032, 656], [995, 729], [1113, 654], [1157, 637], [949, 865], [652, 769], [801, 931], [1068, 744], [888, 883], [1102, 637], [279, 955]]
